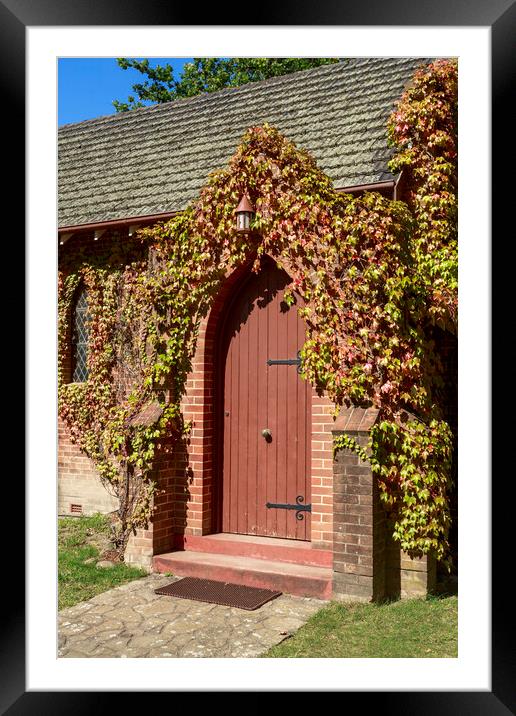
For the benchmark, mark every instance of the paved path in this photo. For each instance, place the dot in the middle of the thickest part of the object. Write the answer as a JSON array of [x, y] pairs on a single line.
[[132, 621]]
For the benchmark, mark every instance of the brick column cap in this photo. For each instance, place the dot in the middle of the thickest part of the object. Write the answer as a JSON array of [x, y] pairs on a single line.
[[356, 419]]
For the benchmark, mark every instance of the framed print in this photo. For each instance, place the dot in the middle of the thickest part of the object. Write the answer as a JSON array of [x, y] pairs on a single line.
[[33, 37]]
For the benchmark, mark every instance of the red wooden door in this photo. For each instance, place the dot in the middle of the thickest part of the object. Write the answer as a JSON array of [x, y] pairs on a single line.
[[257, 396]]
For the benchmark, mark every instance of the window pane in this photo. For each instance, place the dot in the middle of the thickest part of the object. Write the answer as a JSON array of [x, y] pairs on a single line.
[[80, 339]]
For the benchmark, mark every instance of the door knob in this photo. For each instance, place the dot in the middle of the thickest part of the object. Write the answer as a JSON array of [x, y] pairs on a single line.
[[267, 434]]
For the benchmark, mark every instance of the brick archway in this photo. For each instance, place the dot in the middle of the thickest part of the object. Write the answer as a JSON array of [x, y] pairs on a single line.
[[186, 470], [198, 407]]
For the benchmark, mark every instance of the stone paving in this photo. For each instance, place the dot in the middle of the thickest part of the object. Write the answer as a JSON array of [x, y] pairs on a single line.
[[132, 621]]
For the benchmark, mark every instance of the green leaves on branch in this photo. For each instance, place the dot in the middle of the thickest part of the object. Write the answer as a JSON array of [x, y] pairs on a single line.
[[347, 442], [423, 132], [412, 463], [206, 74]]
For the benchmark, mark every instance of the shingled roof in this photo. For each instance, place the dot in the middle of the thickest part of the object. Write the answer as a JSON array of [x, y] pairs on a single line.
[[156, 159]]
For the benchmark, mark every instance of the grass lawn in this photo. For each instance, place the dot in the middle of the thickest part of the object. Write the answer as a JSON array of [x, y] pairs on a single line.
[[417, 628], [81, 539]]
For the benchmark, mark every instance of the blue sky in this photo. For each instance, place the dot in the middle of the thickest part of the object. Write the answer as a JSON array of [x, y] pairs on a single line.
[[87, 86]]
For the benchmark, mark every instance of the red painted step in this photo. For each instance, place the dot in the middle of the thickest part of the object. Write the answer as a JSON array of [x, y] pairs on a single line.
[[269, 548], [297, 579]]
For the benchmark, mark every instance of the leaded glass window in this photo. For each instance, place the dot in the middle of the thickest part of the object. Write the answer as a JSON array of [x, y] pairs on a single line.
[[80, 339]]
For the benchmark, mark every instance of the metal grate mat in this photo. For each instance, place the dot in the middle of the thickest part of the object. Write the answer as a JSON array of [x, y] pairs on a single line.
[[225, 593]]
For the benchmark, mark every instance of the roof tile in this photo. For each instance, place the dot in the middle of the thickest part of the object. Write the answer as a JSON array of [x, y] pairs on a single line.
[[156, 159]]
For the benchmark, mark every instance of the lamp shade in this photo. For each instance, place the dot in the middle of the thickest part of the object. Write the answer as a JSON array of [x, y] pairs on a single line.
[[244, 213]]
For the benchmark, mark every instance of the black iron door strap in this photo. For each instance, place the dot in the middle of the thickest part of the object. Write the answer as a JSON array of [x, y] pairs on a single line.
[[298, 507], [287, 361]]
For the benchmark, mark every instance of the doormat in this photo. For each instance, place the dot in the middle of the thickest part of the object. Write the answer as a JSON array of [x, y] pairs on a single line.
[[225, 593]]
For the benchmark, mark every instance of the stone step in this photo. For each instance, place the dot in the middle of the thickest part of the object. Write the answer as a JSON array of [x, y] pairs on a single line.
[[296, 579], [269, 548]]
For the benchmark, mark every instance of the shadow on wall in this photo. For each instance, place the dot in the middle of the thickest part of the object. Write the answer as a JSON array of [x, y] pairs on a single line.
[[261, 289], [174, 477], [447, 350]]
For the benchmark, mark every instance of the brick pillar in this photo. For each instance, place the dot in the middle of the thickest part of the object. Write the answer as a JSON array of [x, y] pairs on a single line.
[[367, 563], [139, 550], [417, 576], [407, 576], [358, 517], [169, 504]]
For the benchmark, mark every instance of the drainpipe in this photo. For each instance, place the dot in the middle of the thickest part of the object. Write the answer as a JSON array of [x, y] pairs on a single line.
[[395, 190]]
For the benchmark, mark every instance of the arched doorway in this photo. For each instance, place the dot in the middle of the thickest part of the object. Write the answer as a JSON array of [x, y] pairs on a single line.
[[263, 412]]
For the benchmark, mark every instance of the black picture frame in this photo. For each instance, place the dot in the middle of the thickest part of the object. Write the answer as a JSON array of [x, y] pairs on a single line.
[[500, 16]]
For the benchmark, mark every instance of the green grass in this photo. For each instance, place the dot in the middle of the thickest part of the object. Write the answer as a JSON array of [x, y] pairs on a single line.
[[80, 539], [417, 628]]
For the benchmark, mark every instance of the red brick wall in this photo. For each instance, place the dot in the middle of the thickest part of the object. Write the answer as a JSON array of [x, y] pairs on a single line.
[[188, 476], [322, 471], [197, 501], [185, 472], [78, 482], [185, 475]]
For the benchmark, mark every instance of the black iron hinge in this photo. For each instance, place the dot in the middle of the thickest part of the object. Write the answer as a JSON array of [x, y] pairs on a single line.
[[298, 507], [287, 361]]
